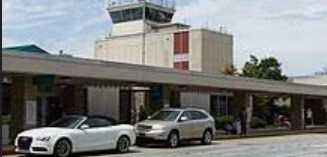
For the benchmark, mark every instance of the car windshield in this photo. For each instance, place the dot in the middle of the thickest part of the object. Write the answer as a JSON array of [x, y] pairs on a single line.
[[67, 122], [165, 116]]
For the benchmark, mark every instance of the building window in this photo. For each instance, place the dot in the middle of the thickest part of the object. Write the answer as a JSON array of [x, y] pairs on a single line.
[[157, 15], [219, 105], [181, 65], [181, 50], [181, 42], [126, 15]]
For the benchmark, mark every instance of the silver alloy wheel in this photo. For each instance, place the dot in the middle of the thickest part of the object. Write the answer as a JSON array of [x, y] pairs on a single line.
[[63, 148], [207, 137], [173, 140], [123, 145]]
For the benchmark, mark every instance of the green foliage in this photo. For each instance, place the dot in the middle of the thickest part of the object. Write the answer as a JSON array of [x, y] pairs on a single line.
[[5, 119], [267, 68], [283, 110], [257, 123], [222, 121], [261, 109]]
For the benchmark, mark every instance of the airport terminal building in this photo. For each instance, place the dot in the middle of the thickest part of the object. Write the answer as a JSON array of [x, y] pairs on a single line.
[[145, 61]]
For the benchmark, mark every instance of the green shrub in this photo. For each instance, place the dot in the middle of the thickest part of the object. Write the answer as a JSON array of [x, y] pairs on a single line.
[[5, 119], [222, 121], [257, 123]]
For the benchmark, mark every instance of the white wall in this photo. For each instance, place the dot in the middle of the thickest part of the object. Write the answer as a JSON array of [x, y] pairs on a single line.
[[127, 28], [123, 49], [103, 101], [217, 52], [129, 49], [196, 100]]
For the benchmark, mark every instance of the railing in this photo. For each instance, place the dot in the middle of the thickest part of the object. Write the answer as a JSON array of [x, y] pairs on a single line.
[[164, 3]]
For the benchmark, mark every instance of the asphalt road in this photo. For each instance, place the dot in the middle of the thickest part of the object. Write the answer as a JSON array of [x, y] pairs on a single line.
[[311, 145]]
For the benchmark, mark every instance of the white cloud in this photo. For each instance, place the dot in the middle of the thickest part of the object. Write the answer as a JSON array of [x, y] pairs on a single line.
[[7, 41], [297, 38], [70, 25]]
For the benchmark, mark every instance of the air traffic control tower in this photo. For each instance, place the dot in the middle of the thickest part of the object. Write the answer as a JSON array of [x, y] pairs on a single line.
[[138, 16], [143, 33]]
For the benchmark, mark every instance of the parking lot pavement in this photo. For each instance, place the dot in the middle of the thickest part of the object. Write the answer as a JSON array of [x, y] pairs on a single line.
[[310, 145]]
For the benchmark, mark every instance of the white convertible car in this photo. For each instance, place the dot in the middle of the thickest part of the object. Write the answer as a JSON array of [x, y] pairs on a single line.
[[74, 134]]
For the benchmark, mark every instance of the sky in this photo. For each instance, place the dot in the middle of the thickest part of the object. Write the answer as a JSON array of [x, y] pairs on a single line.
[[294, 31]]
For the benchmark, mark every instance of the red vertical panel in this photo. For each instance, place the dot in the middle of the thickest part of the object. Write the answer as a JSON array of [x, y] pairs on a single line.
[[185, 65], [181, 46], [182, 65], [185, 42], [181, 42], [177, 43], [177, 65]]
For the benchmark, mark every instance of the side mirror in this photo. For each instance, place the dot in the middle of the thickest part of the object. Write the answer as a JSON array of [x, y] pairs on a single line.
[[84, 127], [183, 119]]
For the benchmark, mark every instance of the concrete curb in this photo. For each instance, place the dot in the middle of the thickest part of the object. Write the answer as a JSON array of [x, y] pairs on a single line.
[[270, 134]]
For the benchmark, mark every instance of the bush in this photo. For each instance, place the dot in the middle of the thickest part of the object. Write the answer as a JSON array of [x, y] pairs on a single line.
[[257, 123], [5, 119], [222, 121]]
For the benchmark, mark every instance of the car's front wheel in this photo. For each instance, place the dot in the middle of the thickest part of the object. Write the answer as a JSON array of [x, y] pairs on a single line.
[[63, 148], [123, 144], [207, 137], [173, 140]]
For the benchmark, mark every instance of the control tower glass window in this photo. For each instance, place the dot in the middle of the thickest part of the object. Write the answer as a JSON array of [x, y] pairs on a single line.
[[157, 15], [126, 15]]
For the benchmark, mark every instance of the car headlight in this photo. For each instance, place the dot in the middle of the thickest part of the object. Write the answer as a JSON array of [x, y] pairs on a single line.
[[44, 139], [158, 127]]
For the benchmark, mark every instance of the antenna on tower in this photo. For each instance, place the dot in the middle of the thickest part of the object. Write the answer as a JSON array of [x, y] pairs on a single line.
[[207, 25]]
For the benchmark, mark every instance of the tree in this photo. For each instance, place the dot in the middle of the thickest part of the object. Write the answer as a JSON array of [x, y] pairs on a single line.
[[266, 68]]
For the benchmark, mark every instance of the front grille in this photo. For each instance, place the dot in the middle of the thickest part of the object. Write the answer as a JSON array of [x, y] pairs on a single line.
[[24, 143], [39, 149], [144, 127]]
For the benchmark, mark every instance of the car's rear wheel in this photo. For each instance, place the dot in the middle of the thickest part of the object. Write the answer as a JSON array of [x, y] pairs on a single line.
[[123, 144], [173, 140], [63, 148], [207, 137]]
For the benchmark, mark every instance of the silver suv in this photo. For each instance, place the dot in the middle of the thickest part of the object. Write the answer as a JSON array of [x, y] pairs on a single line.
[[174, 125]]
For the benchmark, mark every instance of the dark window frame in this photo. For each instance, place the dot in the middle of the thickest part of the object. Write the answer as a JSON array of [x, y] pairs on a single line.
[[127, 15], [199, 116], [157, 15], [92, 126], [186, 114]]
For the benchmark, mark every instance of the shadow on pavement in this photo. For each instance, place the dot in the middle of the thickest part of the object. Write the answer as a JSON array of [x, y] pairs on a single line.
[[102, 153], [97, 153], [183, 145]]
